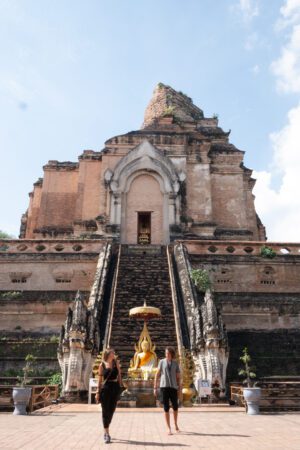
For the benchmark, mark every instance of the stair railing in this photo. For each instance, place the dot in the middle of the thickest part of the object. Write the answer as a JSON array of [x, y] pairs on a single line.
[[96, 295], [175, 302], [189, 296], [112, 304]]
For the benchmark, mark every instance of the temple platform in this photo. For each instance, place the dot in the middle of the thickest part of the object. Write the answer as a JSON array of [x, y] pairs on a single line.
[[209, 427]]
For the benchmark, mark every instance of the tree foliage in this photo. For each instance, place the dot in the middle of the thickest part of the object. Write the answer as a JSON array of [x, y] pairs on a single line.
[[4, 235], [201, 279]]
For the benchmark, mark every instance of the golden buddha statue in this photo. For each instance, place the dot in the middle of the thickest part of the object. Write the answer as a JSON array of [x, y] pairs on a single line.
[[144, 363]]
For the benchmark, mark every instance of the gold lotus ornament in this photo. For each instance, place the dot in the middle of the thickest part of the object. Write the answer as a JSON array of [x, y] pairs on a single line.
[[188, 371]]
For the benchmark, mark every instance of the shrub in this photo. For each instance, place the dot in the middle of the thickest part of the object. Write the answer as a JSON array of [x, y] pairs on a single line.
[[27, 370], [247, 372], [56, 378], [267, 252], [11, 294], [169, 111], [186, 219], [54, 339], [201, 279]]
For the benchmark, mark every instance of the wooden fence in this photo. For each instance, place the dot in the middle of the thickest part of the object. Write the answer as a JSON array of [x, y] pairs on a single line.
[[236, 394], [277, 394], [41, 396]]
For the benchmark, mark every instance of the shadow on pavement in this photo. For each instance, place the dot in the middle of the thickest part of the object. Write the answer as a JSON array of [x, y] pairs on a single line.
[[192, 433], [157, 444]]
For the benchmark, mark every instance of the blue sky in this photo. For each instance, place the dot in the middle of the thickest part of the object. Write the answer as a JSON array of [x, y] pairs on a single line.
[[74, 73]]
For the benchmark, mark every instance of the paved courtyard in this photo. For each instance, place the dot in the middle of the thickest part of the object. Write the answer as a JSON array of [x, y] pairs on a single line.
[[207, 427]]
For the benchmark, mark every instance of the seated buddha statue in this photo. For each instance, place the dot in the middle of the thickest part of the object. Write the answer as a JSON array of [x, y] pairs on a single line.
[[144, 362]]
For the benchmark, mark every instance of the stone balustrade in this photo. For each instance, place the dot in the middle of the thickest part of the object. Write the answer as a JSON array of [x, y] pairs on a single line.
[[50, 246], [203, 247], [240, 248]]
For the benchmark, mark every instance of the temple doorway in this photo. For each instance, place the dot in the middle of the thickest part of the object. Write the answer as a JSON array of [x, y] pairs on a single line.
[[144, 228], [142, 213]]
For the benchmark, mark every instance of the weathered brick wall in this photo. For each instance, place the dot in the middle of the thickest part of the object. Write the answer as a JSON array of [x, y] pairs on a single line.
[[274, 353], [51, 274], [34, 210], [35, 312], [259, 299], [39, 279], [89, 184], [266, 311], [59, 196], [198, 192], [228, 200]]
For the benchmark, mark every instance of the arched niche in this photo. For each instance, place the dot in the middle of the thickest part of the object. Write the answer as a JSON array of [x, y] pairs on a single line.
[[143, 161]]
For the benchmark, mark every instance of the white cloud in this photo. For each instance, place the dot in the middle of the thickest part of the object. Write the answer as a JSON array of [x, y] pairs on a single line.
[[290, 12], [280, 209], [247, 9], [255, 69], [287, 67]]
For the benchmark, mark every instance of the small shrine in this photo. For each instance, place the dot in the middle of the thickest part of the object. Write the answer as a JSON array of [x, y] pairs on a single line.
[[143, 365]]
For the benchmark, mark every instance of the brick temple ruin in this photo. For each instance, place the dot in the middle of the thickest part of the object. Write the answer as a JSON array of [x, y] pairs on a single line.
[[127, 224]]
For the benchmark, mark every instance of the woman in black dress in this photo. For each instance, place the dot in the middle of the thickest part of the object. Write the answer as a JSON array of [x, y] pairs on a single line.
[[109, 385]]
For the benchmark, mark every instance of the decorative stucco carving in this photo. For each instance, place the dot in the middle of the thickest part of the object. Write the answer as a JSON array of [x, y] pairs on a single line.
[[208, 337], [144, 157], [80, 335], [63, 274]]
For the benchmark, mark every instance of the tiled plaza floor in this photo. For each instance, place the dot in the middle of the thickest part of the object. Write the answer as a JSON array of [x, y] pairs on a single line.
[[212, 428]]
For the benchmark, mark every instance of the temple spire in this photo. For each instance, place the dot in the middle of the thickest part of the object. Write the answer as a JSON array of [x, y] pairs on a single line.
[[166, 102]]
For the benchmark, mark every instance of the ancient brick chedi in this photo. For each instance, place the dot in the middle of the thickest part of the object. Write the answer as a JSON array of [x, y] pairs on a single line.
[[179, 172], [129, 223]]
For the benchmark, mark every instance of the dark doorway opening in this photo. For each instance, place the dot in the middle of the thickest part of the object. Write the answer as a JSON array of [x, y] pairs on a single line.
[[144, 228]]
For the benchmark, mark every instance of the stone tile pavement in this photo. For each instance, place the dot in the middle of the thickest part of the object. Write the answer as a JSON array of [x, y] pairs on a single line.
[[67, 427]]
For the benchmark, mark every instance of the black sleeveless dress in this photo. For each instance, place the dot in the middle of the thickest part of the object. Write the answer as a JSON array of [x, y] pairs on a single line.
[[110, 374], [110, 393]]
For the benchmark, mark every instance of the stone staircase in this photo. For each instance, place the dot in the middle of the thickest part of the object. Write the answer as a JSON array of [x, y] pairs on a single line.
[[143, 275]]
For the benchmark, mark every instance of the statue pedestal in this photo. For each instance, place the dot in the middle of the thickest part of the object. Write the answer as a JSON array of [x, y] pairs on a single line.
[[138, 393]]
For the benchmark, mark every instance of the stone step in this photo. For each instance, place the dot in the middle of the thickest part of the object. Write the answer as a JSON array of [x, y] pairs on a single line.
[[142, 277]]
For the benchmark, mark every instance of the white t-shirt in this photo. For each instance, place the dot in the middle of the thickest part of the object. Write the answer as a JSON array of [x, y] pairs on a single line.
[[168, 373]]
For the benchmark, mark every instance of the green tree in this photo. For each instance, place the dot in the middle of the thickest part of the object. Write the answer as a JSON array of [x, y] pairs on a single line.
[[4, 235]]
